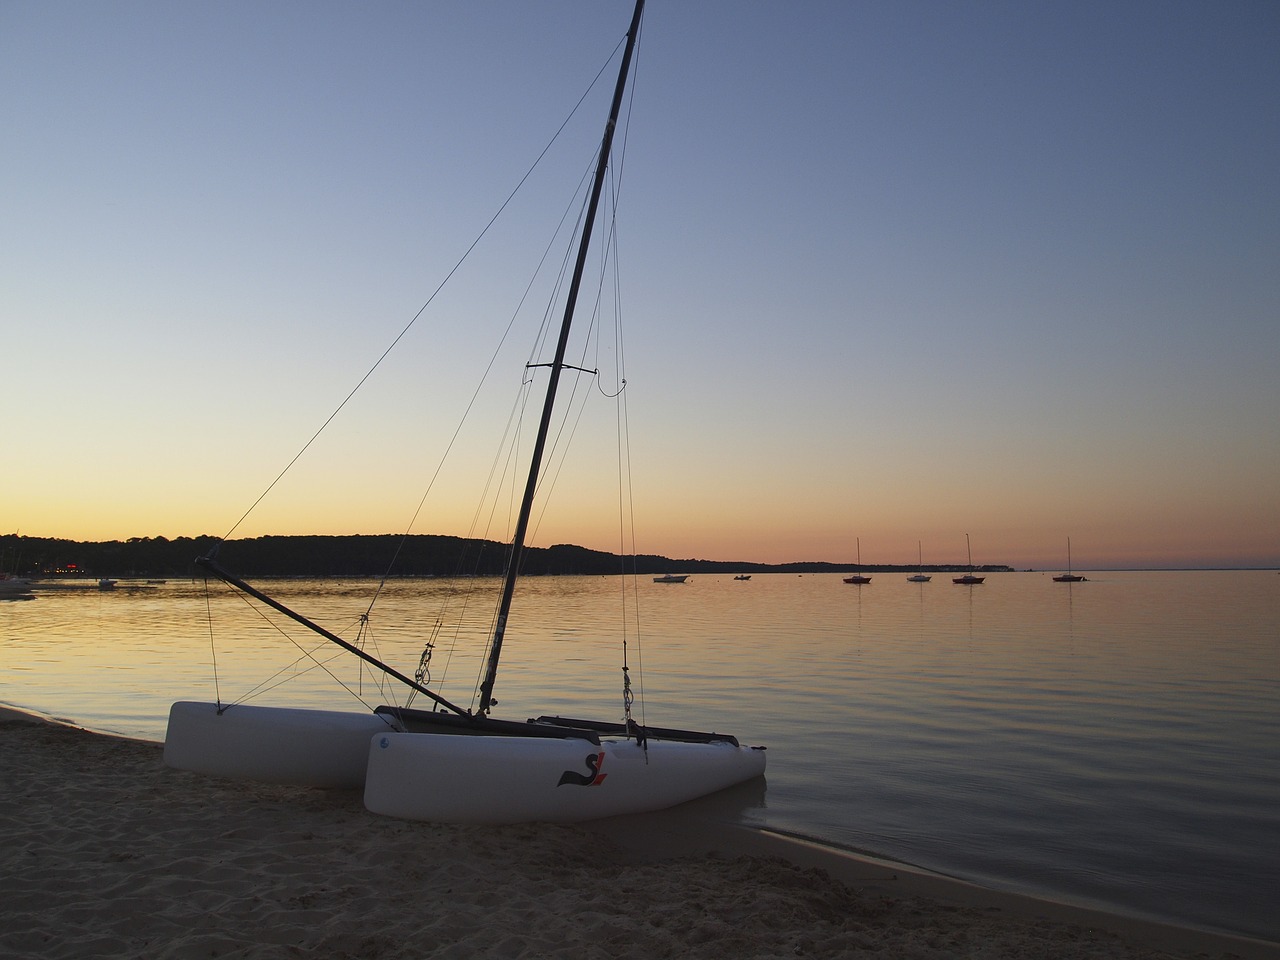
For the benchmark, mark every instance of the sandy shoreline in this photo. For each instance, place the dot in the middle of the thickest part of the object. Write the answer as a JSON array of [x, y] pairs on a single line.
[[108, 853]]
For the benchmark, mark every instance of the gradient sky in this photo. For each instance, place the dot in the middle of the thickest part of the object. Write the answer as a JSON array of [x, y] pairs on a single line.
[[890, 270]]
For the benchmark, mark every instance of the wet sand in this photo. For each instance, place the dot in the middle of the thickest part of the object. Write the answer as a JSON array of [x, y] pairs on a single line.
[[106, 852]]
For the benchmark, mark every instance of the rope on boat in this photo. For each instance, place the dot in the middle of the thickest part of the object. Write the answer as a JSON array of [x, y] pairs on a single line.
[[633, 729], [213, 646], [423, 674]]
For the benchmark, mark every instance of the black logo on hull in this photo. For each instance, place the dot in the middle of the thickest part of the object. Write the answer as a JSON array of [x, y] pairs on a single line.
[[593, 777]]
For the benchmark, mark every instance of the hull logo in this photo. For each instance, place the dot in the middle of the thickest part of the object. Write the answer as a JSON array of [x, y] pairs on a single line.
[[592, 778]]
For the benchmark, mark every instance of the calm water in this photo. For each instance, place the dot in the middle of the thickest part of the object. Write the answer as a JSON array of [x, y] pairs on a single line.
[[1112, 743]]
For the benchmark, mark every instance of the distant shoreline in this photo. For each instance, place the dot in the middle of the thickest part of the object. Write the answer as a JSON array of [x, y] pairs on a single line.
[[369, 555], [419, 555]]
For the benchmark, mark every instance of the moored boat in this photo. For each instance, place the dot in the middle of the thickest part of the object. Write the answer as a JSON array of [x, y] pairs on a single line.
[[858, 577], [1068, 577], [919, 576], [968, 579], [14, 587]]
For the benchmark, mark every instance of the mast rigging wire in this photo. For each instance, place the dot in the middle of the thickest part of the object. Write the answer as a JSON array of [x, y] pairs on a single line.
[[448, 276]]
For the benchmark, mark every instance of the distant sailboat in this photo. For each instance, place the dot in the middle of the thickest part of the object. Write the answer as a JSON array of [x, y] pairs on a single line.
[[1068, 577], [968, 578], [920, 576], [858, 577], [13, 587]]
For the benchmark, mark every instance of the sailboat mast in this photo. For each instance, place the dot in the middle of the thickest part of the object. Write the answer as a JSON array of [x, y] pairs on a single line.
[[544, 426]]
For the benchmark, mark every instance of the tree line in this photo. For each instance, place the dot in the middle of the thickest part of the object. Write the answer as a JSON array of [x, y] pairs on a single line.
[[362, 555]]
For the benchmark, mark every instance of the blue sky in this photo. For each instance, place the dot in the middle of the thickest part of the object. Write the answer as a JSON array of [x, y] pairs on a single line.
[[895, 271]]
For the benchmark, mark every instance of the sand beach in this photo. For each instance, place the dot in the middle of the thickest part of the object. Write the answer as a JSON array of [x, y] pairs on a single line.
[[105, 852]]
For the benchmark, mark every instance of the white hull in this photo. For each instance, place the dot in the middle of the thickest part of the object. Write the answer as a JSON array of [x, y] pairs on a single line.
[[316, 748], [498, 779]]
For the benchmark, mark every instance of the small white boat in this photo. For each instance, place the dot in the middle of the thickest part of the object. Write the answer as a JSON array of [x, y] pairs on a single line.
[[919, 576], [671, 578], [13, 586], [106, 583]]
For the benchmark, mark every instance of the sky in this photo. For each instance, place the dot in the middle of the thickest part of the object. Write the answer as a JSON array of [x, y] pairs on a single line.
[[891, 272]]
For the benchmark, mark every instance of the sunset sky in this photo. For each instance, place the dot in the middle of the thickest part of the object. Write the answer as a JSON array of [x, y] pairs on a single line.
[[891, 271]]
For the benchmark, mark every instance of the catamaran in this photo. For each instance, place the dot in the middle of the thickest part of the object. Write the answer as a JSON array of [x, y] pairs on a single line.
[[453, 763]]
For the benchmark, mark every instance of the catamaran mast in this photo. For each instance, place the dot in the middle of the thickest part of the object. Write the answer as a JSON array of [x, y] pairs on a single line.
[[544, 427]]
